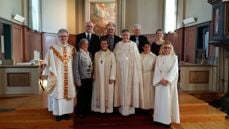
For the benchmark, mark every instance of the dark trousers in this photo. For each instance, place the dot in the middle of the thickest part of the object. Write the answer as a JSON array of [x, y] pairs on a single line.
[[84, 95]]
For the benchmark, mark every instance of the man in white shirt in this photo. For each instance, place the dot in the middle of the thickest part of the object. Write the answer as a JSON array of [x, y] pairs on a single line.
[[93, 39]]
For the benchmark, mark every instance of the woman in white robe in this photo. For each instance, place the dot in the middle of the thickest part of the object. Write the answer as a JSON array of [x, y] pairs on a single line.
[[128, 84], [58, 68], [104, 77], [148, 61], [166, 107]]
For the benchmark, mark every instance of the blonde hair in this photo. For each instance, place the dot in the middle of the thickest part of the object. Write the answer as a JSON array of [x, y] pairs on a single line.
[[172, 52]]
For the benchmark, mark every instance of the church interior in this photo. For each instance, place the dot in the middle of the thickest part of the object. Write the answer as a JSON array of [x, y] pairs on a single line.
[[198, 30]]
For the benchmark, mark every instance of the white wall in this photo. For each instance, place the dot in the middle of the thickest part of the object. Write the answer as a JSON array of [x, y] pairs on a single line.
[[199, 9], [11, 7], [148, 13], [58, 14]]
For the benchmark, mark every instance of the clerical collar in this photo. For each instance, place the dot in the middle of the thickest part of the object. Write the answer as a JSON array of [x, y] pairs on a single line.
[[63, 45]]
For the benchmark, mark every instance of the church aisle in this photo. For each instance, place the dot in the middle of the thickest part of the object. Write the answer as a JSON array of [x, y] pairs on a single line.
[[30, 112]]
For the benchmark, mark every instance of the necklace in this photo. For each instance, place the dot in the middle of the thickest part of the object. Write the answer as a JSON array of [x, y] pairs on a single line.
[[102, 58]]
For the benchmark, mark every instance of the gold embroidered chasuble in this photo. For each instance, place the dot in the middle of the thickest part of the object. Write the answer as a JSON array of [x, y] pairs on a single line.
[[59, 62]]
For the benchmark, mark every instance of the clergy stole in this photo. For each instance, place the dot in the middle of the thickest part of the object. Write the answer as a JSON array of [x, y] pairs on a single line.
[[65, 60]]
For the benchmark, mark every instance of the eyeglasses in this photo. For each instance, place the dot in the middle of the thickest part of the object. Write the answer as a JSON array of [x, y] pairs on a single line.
[[166, 47], [63, 36]]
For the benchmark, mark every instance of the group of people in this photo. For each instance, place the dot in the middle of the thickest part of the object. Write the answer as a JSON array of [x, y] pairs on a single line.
[[110, 72]]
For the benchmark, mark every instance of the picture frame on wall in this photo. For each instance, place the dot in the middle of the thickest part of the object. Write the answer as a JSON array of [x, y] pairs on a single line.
[[101, 12]]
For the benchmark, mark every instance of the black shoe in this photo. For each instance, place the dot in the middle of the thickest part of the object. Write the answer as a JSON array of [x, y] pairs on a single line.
[[58, 118], [66, 117], [81, 116], [167, 126], [157, 123]]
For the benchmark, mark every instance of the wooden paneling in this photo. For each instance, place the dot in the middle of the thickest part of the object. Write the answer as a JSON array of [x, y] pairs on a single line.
[[150, 37], [179, 43], [18, 79], [26, 44], [47, 40], [198, 77], [17, 43], [190, 44], [72, 39], [170, 37], [176, 39], [34, 40]]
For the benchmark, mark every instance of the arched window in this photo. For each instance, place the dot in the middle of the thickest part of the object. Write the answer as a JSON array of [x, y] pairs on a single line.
[[170, 15]]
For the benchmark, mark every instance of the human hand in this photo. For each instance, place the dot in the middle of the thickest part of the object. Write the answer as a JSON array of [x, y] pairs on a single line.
[[164, 82]]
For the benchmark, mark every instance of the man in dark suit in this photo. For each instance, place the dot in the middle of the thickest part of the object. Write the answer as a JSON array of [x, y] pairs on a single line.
[[139, 39], [93, 39], [111, 37]]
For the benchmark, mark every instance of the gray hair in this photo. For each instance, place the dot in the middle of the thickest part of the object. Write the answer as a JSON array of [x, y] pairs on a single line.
[[137, 26], [62, 30], [111, 24], [89, 22], [82, 41]]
